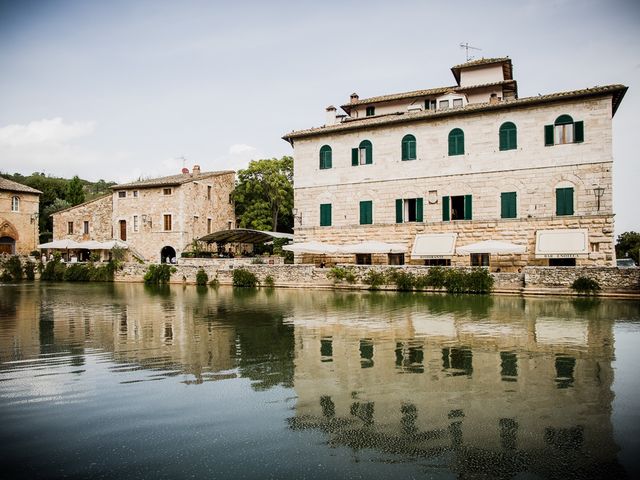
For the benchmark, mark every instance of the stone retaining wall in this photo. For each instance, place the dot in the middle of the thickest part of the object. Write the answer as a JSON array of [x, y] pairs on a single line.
[[532, 279]]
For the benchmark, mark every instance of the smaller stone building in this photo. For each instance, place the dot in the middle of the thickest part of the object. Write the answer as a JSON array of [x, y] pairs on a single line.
[[88, 221], [158, 218], [19, 211]]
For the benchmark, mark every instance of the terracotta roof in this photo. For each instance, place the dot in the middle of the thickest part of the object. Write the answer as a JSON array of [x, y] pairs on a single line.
[[482, 61], [617, 91], [101, 197], [12, 186], [421, 93], [170, 180]]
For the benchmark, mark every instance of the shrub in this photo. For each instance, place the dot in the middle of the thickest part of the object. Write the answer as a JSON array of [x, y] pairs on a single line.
[[201, 277], [478, 280], [215, 283], [35, 253], [158, 274], [268, 281], [436, 277], [342, 273], [102, 273], [404, 281], [5, 277], [585, 285], [244, 278], [375, 278], [30, 270], [257, 261], [13, 267], [78, 272]]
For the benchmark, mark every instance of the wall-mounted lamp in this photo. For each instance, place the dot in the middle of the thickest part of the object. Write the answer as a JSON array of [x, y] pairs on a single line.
[[598, 192], [297, 215]]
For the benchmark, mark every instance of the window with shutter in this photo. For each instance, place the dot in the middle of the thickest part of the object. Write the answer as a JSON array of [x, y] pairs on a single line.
[[564, 201], [325, 215], [564, 130], [366, 212], [456, 142], [363, 155], [445, 209], [325, 157], [409, 147], [508, 136], [508, 205]]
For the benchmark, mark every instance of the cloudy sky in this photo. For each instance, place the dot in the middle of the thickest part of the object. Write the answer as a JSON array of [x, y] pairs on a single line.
[[119, 89]]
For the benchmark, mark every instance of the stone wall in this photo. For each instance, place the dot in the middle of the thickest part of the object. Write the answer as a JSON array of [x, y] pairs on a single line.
[[22, 225], [534, 279], [96, 212]]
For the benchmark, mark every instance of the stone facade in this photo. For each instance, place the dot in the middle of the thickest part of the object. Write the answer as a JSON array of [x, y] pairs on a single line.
[[532, 170], [172, 211], [87, 221], [19, 211]]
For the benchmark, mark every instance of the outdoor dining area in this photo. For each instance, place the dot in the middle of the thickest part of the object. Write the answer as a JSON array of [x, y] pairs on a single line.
[[72, 251]]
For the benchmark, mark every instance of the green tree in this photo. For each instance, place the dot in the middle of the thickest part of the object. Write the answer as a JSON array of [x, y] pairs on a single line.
[[628, 245], [75, 192], [264, 194]]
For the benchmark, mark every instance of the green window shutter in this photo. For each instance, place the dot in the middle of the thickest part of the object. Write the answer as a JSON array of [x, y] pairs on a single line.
[[508, 205], [564, 201], [504, 142], [325, 215], [548, 135], [578, 132], [325, 157], [399, 205], [405, 150], [513, 138], [461, 143], [366, 212], [419, 210], [467, 207], [412, 150], [369, 154], [456, 142], [452, 145], [445, 209], [508, 136], [354, 157], [568, 201]]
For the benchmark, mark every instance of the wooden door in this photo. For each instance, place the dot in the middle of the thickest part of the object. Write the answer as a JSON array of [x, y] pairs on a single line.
[[123, 230]]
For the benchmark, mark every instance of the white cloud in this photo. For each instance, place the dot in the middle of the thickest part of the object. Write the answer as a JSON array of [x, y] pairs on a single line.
[[242, 149], [46, 131]]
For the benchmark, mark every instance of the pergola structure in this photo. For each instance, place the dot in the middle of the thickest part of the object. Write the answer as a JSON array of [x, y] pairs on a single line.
[[243, 235]]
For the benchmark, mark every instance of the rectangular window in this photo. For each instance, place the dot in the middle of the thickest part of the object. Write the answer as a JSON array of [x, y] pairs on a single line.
[[564, 201], [167, 223], [166, 191], [135, 194], [508, 205], [409, 210], [69, 228], [444, 104], [135, 223], [366, 212], [371, 111], [15, 204], [395, 258], [208, 192], [479, 259], [456, 208], [438, 262], [85, 227], [563, 134], [457, 102], [122, 194], [363, 259], [208, 225], [325, 215]]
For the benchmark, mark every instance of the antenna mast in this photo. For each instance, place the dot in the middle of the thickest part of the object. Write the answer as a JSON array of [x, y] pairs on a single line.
[[468, 47]]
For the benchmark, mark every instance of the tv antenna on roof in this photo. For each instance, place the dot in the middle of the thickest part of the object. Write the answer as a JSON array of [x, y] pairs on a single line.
[[468, 47], [184, 160]]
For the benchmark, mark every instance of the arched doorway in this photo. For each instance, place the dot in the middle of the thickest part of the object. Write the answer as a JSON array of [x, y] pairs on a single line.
[[7, 245], [168, 255]]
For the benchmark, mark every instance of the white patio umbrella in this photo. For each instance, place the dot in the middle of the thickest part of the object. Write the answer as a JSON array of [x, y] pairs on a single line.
[[373, 246], [312, 247], [64, 244], [494, 247]]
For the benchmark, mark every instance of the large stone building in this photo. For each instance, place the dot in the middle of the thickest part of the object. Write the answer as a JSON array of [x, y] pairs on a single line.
[[158, 218], [19, 211], [446, 167]]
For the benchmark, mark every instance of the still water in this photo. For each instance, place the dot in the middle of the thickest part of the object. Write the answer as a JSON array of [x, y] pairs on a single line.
[[123, 381]]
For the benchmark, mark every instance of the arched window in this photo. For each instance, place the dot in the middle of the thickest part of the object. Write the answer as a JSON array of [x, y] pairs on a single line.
[[508, 136], [564, 130], [409, 147], [363, 155], [325, 157], [15, 204], [456, 142]]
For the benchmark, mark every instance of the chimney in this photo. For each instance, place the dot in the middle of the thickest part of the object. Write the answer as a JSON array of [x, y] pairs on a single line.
[[354, 97], [196, 170], [493, 99], [331, 115]]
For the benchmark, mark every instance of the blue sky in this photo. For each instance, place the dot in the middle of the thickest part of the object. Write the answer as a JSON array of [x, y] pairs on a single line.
[[120, 89]]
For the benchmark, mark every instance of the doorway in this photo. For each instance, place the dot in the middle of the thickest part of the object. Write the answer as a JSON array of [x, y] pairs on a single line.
[[168, 255], [7, 245], [123, 230]]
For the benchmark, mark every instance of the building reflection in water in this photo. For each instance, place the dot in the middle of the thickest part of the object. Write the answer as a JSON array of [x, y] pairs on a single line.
[[491, 387]]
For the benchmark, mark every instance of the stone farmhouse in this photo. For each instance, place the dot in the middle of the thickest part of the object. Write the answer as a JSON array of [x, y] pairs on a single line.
[[19, 211], [158, 218], [446, 167]]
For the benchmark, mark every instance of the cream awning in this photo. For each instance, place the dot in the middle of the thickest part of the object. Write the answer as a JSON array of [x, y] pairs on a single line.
[[434, 245], [565, 243], [63, 244], [493, 247], [373, 246], [312, 248]]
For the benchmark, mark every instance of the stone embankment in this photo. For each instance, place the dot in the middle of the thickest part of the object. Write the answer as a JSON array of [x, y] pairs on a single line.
[[531, 281]]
